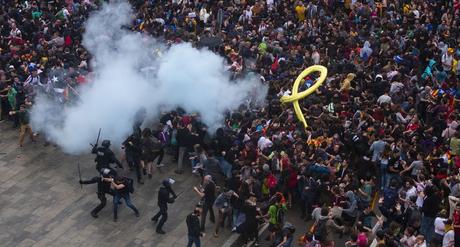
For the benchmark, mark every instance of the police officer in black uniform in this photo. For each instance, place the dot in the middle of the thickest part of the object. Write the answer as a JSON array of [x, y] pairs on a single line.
[[163, 200], [105, 157], [103, 187]]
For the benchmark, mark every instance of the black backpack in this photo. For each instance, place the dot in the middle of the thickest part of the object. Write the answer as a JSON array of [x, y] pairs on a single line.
[[320, 230], [129, 184], [280, 215]]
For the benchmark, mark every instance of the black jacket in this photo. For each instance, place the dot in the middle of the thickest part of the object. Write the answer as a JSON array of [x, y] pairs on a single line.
[[193, 225], [163, 196], [133, 145], [184, 138], [104, 157], [102, 186]]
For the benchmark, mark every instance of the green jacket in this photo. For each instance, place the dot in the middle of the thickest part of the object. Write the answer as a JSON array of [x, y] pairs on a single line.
[[12, 98]]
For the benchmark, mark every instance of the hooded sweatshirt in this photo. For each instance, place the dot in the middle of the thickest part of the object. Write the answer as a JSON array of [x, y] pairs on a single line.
[[366, 51]]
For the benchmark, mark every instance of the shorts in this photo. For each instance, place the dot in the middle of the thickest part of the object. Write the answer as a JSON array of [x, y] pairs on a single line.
[[273, 227]]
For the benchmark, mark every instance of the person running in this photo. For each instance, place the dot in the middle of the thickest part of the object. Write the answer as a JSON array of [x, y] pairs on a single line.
[[122, 187]]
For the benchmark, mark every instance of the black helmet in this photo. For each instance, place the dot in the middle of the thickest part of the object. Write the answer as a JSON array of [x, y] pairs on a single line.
[[106, 143]]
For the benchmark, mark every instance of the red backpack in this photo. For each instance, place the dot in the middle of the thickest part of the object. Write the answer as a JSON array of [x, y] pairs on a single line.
[[271, 181]]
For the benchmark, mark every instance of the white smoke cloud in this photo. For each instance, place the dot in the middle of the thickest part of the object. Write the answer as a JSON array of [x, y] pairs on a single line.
[[182, 76]]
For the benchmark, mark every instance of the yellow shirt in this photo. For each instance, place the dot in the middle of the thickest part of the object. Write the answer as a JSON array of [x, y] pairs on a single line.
[[454, 66], [300, 12], [455, 146]]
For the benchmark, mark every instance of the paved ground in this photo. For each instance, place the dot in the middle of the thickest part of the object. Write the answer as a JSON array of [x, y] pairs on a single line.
[[41, 203]]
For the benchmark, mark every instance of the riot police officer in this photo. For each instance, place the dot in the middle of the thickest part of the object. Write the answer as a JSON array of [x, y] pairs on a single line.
[[103, 187], [105, 157], [163, 200]]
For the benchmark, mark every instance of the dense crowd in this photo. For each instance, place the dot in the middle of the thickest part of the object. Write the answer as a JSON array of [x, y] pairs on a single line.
[[379, 162]]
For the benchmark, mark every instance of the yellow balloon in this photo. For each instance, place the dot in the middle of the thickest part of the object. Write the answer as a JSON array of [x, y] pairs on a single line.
[[296, 96]]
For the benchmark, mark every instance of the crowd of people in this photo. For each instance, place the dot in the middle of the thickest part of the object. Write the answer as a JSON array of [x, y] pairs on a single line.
[[378, 164]]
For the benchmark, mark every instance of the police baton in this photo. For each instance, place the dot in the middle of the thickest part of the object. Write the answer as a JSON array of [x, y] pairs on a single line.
[[79, 175], [97, 139]]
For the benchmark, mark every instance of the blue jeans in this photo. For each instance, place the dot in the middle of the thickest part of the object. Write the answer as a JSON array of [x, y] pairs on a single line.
[[234, 217], [383, 175], [225, 166], [193, 240], [427, 227], [116, 202]]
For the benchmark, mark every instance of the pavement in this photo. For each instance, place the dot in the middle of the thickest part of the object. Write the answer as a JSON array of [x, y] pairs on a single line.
[[42, 204]]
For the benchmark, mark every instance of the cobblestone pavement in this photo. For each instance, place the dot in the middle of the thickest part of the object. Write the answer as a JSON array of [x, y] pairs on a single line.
[[41, 203]]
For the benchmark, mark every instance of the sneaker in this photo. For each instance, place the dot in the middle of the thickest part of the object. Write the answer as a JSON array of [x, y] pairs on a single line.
[[136, 214], [115, 219], [150, 176], [144, 171], [216, 235], [178, 172], [94, 215], [140, 181], [161, 231], [160, 165], [154, 220]]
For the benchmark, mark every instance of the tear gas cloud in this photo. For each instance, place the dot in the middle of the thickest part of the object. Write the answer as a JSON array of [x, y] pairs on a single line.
[[180, 76]]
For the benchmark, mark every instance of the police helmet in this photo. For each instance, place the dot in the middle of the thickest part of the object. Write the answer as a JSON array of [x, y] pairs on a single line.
[[106, 143]]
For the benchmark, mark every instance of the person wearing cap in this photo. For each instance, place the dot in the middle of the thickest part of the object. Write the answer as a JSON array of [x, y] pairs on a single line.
[[103, 187], [163, 199]]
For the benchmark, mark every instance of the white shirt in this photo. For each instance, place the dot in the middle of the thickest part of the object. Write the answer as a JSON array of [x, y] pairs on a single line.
[[15, 33], [449, 239], [412, 191], [315, 56], [264, 143], [384, 99], [439, 225], [396, 87], [447, 62], [270, 3]]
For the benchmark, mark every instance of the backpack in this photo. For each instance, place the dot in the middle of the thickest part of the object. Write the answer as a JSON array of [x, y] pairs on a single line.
[[280, 215], [129, 184], [320, 233], [271, 181], [390, 196]]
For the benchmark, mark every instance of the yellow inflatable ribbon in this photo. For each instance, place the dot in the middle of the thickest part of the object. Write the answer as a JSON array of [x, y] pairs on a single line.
[[296, 96]]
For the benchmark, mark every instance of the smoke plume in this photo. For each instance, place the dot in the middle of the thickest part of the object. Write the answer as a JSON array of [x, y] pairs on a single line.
[[134, 71]]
